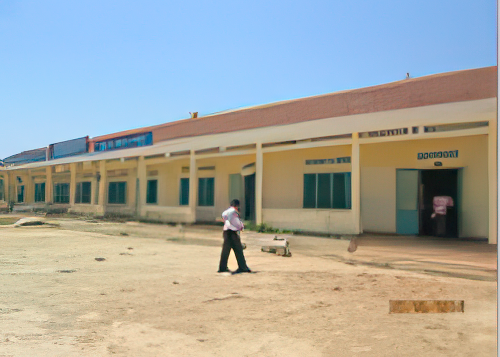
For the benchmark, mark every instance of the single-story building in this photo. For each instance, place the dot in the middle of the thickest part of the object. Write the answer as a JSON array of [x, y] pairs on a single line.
[[370, 159]]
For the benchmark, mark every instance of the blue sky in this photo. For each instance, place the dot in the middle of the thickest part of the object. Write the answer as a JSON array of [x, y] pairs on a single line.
[[75, 68]]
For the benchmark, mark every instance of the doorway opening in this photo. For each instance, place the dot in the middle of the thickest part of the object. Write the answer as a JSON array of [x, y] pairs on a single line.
[[250, 197], [435, 183]]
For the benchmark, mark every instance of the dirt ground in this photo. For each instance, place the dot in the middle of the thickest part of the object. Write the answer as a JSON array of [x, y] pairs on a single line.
[[157, 293]]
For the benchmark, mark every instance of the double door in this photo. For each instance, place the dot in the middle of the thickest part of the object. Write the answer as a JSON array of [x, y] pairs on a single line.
[[415, 191]]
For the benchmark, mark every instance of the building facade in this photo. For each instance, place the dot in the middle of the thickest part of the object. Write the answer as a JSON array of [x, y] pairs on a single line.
[[364, 160]]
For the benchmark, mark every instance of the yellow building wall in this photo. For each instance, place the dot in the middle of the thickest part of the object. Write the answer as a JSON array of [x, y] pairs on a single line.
[[129, 208], [169, 174], [378, 180], [283, 184], [283, 174], [224, 166]]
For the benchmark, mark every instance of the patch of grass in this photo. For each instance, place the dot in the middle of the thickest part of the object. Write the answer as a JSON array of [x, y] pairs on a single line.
[[264, 228], [8, 220]]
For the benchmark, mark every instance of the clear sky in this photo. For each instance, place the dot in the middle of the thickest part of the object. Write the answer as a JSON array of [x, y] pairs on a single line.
[[74, 68]]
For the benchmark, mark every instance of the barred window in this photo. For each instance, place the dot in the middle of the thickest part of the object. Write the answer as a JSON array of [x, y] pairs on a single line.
[[61, 193], [40, 192], [83, 192], [330, 190], [206, 191], [117, 192]]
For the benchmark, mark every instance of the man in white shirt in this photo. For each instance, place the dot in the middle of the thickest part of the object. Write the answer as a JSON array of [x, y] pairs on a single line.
[[232, 226]]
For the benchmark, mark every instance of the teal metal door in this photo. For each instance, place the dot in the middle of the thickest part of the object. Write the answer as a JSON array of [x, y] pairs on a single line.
[[407, 202]]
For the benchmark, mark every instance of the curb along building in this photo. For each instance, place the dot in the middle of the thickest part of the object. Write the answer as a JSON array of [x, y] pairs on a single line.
[[369, 159]]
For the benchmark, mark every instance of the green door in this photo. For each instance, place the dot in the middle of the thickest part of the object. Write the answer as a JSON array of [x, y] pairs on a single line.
[[407, 202]]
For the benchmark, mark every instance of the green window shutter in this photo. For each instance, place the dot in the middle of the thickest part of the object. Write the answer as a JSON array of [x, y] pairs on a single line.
[[66, 192], [152, 193], [324, 191], [112, 192], [184, 192], [43, 192], [86, 191], [339, 191], [206, 191], [309, 191], [122, 192], [210, 191], [347, 178], [78, 193], [40, 192], [201, 192]]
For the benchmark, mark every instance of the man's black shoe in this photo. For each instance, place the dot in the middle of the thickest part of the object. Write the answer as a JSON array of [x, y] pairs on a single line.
[[238, 271], [224, 271]]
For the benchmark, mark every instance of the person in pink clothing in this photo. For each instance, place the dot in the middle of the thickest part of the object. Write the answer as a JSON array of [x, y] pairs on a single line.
[[232, 226], [440, 205]]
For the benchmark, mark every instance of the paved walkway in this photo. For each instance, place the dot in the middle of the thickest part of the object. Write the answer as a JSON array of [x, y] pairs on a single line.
[[475, 260]]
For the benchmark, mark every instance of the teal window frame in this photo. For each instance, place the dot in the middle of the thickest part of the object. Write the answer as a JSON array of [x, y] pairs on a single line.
[[40, 192], [83, 194], [20, 194], [327, 190], [206, 188], [184, 191], [152, 192], [61, 193], [117, 192]]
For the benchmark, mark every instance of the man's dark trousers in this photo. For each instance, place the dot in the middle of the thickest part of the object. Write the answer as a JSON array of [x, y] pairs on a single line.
[[232, 240]]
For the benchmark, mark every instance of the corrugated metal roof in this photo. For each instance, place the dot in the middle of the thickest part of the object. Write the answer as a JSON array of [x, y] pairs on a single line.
[[26, 157]]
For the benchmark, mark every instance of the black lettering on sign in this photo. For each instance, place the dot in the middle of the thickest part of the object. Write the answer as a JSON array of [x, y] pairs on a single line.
[[437, 155], [339, 160]]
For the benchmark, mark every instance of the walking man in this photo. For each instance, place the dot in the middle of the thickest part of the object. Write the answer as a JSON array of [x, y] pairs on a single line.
[[232, 226]]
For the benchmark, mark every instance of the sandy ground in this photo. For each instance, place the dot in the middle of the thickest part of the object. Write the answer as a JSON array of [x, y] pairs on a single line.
[[157, 293]]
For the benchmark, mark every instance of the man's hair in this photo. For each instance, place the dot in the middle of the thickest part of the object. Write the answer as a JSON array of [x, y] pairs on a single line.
[[235, 203]]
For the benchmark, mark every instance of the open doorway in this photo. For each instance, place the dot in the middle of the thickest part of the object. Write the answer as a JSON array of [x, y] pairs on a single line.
[[250, 197], [440, 182]]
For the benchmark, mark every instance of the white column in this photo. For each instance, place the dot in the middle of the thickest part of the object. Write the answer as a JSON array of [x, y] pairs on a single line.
[[48, 185], [72, 184], [93, 184], [29, 195], [6, 183], [193, 185], [259, 166], [142, 176], [492, 182], [102, 187], [355, 184]]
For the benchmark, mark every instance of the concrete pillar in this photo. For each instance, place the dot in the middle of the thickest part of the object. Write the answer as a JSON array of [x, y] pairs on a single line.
[[6, 185], [493, 182], [193, 185], [355, 184], [48, 184], [72, 184], [143, 187], [101, 201], [29, 190], [93, 185], [259, 166]]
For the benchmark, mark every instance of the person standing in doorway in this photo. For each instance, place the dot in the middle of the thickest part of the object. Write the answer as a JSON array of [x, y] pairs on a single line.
[[232, 227], [440, 205]]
